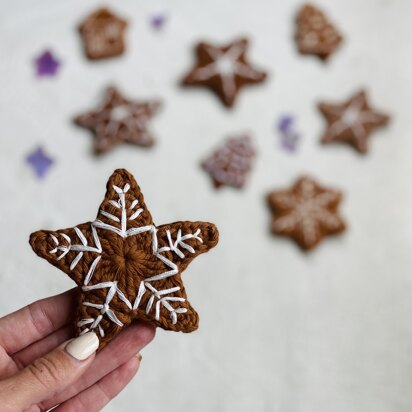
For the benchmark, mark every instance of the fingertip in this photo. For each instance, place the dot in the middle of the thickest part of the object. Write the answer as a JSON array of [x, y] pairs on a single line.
[[124, 373], [148, 332], [142, 333]]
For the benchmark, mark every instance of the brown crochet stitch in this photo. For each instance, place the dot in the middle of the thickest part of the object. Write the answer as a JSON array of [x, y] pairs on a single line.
[[125, 266]]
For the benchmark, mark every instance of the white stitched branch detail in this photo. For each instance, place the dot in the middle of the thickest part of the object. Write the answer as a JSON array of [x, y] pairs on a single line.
[[104, 308], [159, 294], [162, 300], [81, 248], [179, 242]]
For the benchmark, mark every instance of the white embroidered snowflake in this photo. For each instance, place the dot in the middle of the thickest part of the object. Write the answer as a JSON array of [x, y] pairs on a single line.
[[124, 254]]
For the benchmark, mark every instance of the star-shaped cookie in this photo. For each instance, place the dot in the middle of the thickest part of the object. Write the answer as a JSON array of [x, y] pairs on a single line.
[[352, 121], [126, 267], [224, 69], [307, 212], [119, 120]]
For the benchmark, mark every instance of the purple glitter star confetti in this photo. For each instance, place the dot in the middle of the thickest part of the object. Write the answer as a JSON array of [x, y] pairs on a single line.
[[47, 64], [157, 21], [39, 162], [289, 137]]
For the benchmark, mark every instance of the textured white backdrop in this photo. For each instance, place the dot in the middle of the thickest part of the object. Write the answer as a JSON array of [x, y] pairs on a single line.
[[280, 331]]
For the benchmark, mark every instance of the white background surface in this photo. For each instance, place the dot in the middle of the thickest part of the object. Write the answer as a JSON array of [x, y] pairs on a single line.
[[280, 330]]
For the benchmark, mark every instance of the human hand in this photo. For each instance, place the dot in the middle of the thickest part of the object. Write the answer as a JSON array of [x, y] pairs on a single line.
[[39, 369]]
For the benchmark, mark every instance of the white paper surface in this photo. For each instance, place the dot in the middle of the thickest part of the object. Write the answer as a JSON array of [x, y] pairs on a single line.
[[280, 330]]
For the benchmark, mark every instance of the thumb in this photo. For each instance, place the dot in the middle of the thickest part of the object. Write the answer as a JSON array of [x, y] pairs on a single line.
[[50, 374]]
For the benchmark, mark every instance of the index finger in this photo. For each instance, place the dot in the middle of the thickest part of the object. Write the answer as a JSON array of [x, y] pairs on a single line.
[[36, 321]]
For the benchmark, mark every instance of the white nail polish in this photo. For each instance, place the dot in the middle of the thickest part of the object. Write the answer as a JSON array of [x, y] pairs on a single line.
[[83, 346]]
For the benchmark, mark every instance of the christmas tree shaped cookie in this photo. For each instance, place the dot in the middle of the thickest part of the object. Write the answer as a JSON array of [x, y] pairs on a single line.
[[230, 164], [127, 268], [315, 34]]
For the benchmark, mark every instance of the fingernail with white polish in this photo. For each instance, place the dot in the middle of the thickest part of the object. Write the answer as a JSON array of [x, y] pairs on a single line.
[[83, 346]]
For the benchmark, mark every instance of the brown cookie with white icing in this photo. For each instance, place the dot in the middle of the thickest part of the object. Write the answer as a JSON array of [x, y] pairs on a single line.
[[352, 121], [315, 34], [103, 34], [307, 212], [223, 69], [119, 120]]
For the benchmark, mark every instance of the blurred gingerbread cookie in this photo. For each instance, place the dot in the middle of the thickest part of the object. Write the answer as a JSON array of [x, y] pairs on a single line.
[[119, 120], [307, 212], [231, 163], [315, 34], [352, 121], [103, 34], [223, 69]]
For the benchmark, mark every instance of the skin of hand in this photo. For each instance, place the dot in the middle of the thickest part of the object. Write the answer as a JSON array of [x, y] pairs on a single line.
[[40, 367]]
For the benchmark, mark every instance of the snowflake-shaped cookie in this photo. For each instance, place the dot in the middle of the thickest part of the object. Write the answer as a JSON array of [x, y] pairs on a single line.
[[307, 212]]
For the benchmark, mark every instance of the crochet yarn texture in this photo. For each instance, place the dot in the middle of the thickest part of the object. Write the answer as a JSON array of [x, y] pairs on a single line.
[[126, 267]]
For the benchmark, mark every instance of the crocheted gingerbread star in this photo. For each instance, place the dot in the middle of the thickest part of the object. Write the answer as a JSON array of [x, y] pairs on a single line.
[[126, 267], [225, 70], [352, 121], [119, 120], [307, 212]]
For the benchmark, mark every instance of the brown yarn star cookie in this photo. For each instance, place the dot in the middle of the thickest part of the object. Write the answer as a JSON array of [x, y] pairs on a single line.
[[351, 122], [103, 35], [230, 164], [315, 34], [126, 267], [225, 70], [119, 120], [307, 212]]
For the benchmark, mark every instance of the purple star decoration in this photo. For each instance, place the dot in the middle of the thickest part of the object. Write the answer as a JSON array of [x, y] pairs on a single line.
[[289, 137], [47, 64], [157, 21], [39, 162]]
